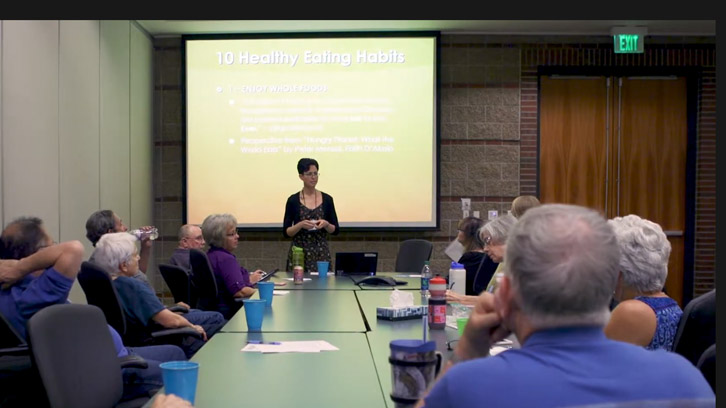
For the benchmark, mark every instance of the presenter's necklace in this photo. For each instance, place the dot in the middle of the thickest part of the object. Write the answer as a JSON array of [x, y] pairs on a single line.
[[315, 200]]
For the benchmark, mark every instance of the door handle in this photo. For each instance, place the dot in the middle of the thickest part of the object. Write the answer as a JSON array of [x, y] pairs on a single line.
[[672, 233]]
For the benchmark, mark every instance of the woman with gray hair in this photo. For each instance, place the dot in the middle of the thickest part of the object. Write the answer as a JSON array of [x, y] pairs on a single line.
[[233, 280], [494, 236], [645, 316]]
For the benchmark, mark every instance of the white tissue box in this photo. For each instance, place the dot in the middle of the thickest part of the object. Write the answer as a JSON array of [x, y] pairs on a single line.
[[400, 313]]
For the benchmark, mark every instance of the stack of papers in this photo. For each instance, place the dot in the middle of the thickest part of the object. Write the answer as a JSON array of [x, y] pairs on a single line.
[[280, 292], [314, 346]]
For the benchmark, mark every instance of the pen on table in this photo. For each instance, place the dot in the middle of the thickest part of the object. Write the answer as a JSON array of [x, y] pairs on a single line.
[[262, 342]]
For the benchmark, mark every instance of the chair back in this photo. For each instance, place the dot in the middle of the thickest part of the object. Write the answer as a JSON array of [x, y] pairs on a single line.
[[10, 339], [75, 356], [179, 282], [707, 365], [98, 287], [697, 327], [203, 280], [412, 254]]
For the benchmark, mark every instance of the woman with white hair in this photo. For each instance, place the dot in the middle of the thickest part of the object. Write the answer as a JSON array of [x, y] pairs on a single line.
[[494, 236], [645, 316]]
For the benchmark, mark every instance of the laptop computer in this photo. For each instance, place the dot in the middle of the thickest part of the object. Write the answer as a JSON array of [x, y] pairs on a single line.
[[356, 263]]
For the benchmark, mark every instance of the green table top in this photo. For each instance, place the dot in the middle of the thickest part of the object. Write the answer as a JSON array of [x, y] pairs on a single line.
[[332, 282], [339, 282], [229, 377], [306, 311], [383, 331]]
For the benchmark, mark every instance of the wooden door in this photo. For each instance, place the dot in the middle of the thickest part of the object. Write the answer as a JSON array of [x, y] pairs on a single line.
[[618, 145], [574, 141], [652, 161]]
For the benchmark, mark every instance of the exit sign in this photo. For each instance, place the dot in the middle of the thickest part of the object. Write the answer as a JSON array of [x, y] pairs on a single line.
[[628, 43], [629, 40]]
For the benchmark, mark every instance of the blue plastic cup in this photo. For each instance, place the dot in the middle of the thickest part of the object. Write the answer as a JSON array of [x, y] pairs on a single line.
[[266, 291], [254, 312], [180, 378], [323, 269]]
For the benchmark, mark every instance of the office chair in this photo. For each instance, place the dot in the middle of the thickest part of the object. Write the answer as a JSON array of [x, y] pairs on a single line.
[[21, 385], [179, 282], [76, 358], [204, 281], [412, 254], [707, 365], [99, 290], [697, 327]]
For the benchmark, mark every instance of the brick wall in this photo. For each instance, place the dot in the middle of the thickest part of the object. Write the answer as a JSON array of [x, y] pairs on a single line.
[[488, 142]]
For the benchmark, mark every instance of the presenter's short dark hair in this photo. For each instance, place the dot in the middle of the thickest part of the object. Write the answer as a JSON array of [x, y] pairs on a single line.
[[304, 164]]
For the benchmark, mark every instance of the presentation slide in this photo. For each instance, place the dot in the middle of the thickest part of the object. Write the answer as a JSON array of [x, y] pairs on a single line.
[[363, 107]]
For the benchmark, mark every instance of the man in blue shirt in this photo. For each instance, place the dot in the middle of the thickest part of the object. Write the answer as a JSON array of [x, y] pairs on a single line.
[[36, 273], [117, 254], [562, 266]]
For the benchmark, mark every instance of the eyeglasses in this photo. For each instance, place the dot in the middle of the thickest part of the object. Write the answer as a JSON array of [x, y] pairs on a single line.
[[488, 241], [311, 174]]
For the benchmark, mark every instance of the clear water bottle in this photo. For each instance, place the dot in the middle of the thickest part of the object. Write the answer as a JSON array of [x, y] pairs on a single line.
[[425, 277], [152, 233]]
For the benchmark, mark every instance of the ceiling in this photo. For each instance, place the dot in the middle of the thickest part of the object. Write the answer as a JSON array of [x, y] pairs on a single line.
[[168, 28]]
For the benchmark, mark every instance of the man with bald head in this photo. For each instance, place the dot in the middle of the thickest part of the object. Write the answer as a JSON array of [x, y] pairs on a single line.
[[190, 237]]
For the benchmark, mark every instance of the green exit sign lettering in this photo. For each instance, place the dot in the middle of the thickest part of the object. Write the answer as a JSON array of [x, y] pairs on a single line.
[[629, 40]]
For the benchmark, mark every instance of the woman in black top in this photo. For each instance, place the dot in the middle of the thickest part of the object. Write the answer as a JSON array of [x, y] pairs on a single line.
[[479, 267], [309, 218]]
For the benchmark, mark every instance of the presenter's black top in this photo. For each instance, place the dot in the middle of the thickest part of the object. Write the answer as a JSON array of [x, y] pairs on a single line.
[[313, 243], [479, 270]]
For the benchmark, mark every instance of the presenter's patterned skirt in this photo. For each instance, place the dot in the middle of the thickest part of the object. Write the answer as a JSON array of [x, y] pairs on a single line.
[[313, 243]]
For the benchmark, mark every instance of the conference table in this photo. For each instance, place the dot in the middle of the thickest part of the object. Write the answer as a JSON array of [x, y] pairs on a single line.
[[334, 309]]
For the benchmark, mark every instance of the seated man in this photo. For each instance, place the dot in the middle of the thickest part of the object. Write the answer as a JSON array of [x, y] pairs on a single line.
[[105, 221], [35, 273], [117, 253], [190, 237], [562, 266]]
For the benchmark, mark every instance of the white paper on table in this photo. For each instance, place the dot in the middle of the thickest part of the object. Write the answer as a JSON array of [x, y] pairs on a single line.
[[497, 349], [304, 279], [318, 273], [314, 346], [455, 250], [409, 276], [280, 292]]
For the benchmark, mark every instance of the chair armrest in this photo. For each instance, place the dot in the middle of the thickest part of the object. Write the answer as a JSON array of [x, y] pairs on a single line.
[[178, 308], [182, 331], [15, 351], [133, 361]]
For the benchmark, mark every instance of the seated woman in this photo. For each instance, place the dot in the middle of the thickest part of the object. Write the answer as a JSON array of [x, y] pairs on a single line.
[[233, 281], [479, 266], [494, 235], [645, 316]]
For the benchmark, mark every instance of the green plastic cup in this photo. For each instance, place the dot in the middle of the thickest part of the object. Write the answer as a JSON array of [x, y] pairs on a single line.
[[460, 324]]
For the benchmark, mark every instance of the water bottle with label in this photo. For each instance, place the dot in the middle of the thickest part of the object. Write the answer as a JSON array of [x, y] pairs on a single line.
[[152, 233], [425, 277]]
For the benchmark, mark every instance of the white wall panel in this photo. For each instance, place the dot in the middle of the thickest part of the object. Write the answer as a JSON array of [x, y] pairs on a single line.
[[141, 137], [79, 90], [114, 140], [30, 121]]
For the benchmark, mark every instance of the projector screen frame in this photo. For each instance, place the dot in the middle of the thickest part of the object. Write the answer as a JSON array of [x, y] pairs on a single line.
[[435, 35]]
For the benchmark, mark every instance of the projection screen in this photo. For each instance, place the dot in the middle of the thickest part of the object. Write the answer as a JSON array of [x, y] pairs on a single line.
[[364, 105]]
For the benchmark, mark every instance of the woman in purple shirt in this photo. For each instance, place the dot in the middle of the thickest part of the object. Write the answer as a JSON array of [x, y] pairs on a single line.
[[233, 281]]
